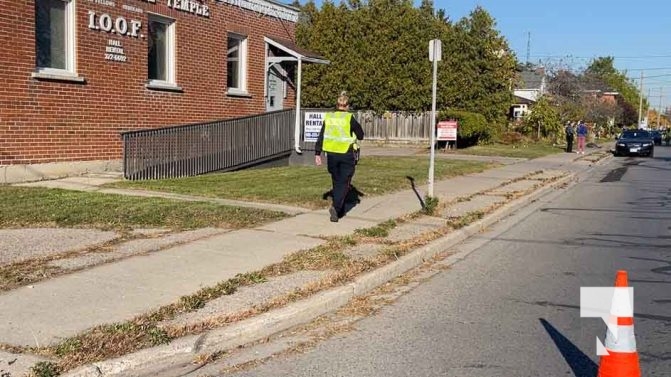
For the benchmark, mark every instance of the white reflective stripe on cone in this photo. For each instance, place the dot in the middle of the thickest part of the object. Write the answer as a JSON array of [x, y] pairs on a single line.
[[624, 342]]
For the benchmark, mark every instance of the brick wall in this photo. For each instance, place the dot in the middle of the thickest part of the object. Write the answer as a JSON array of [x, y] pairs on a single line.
[[49, 121]]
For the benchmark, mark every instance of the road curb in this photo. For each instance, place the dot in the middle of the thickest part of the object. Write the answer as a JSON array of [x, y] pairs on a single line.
[[304, 311]]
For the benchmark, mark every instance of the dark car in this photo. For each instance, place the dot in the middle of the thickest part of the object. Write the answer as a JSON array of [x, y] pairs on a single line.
[[657, 137], [635, 142]]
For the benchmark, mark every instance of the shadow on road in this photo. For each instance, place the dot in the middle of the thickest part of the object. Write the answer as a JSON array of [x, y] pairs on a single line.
[[581, 364]]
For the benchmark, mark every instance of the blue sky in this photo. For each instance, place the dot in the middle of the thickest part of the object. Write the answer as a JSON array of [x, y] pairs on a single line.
[[637, 33]]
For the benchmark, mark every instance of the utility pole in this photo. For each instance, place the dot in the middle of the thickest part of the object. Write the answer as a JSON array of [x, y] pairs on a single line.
[[435, 55], [529, 48], [640, 104], [659, 111]]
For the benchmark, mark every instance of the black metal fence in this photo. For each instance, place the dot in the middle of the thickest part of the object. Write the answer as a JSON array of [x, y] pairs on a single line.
[[231, 144], [206, 147]]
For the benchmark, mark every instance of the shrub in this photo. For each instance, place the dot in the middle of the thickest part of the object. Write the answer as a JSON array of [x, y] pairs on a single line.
[[512, 137], [473, 127]]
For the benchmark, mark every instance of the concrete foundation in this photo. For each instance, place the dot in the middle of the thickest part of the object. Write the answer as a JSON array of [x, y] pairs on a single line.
[[53, 170]]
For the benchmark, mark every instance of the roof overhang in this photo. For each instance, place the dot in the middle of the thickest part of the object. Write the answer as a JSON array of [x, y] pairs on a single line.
[[295, 53], [298, 55], [522, 101], [526, 95]]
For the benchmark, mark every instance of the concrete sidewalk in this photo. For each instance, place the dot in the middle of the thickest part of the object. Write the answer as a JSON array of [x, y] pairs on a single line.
[[49, 311]]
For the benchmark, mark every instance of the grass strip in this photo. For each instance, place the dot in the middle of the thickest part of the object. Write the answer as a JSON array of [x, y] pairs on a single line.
[[306, 186], [45, 207]]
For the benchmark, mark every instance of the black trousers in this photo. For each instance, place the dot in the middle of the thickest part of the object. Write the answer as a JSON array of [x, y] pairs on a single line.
[[341, 167], [569, 144]]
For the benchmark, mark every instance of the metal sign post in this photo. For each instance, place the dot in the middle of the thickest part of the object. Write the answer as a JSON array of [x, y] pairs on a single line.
[[435, 52]]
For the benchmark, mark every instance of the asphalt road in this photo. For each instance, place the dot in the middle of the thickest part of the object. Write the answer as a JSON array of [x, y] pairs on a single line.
[[511, 308]]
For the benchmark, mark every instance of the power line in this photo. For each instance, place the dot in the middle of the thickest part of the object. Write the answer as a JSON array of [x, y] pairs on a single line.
[[647, 69], [658, 81], [605, 56], [628, 69], [650, 77]]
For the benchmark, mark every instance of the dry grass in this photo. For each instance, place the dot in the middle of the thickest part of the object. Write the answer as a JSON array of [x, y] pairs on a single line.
[[23, 273], [108, 341], [34, 270], [340, 322], [378, 231], [465, 220], [360, 306]]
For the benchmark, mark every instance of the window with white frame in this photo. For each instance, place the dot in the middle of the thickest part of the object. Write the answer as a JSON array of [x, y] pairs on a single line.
[[161, 52], [55, 37], [236, 64]]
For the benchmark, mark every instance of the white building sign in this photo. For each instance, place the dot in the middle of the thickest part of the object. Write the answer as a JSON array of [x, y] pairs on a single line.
[[114, 51], [265, 8], [190, 6], [119, 25], [313, 124]]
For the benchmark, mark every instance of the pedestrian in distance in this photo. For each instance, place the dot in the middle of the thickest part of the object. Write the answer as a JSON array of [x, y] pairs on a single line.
[[338, 138], [581, 131], [570, 133]]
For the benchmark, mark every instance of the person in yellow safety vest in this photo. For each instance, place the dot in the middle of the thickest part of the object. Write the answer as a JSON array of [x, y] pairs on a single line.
[[338, 138]]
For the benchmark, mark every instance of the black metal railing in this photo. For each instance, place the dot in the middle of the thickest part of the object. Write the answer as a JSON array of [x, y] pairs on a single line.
[[207, 147]]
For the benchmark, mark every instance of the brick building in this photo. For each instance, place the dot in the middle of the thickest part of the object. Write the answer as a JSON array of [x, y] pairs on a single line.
[[76, 73]]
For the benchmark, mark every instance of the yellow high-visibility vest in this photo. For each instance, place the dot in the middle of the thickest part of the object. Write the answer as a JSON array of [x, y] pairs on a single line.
[[337, 132]]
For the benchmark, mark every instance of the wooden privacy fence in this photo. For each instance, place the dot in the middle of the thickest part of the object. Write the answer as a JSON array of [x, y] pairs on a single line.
[[388, 127], [395, 126]]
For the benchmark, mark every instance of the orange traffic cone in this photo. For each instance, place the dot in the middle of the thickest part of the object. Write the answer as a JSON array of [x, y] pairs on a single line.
[[622, 358]]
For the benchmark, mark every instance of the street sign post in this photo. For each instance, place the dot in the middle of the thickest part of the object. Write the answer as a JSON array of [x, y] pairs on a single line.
[[435, 55]]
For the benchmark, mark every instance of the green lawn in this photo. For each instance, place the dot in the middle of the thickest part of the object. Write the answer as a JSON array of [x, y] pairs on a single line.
[[532, 150], [36, 206], [305, 185]]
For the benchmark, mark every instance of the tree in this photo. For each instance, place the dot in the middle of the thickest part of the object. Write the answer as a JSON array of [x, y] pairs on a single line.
[[378, 52], [604, 69], [543, 120], [577, 94], [481, 67]]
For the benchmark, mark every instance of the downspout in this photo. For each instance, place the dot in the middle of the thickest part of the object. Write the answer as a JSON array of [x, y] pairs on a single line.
[[297, 127]]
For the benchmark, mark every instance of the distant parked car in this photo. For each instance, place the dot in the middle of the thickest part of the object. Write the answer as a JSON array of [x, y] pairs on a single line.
[[635, 142], [657, 137]]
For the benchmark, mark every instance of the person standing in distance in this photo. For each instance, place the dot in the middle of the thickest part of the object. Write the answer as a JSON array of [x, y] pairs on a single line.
[[570, 131], [337, 138], [582, 135]]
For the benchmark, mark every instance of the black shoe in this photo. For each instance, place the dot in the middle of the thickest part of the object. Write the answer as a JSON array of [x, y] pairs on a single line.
[[334, 214]]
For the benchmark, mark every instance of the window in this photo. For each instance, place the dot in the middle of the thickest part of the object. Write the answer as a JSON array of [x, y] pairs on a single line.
[[161, 53], [55, 37], [236, 60]]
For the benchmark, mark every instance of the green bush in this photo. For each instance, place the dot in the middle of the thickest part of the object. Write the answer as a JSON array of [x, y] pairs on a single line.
[[430, 205], [473, 127]]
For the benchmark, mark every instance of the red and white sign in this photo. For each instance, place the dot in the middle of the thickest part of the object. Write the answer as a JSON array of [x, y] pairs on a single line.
[[447, 130]]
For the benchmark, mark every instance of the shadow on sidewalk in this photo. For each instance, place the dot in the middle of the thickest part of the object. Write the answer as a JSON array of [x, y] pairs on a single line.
[[351, 200], [581, 364], [414, 188]]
